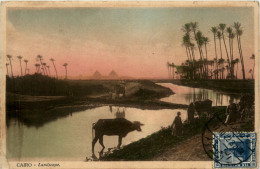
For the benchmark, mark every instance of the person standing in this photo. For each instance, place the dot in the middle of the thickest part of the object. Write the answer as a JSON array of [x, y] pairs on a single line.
[[177, 125], [231, 112], [191, 111]]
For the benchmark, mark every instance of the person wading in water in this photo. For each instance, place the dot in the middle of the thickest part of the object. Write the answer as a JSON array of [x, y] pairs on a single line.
[[177, 126]]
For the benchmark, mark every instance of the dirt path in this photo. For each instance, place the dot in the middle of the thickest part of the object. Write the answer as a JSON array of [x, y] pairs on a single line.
[[188, 150]]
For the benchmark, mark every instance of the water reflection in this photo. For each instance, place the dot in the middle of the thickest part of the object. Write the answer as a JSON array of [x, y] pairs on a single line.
[[120, 112], [71, 136], [186, 95]]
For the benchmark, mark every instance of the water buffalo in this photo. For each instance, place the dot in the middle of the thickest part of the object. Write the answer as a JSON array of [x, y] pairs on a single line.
[[119, 126], [202, 107]]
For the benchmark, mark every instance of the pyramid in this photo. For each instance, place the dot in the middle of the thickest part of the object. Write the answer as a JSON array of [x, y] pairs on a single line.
[[112, 74], [96, 74]]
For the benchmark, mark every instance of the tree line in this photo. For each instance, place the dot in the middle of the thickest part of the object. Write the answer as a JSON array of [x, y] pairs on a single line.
[[41, 67], [223, 66]]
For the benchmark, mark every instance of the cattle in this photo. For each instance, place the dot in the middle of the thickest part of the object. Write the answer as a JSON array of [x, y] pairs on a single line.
[[119, 127], [202, 107]]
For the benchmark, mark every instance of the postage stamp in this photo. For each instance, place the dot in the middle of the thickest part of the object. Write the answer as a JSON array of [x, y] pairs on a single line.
[[235, 150]]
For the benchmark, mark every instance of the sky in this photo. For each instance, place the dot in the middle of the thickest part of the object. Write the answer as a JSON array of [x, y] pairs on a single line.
[[134, 42]]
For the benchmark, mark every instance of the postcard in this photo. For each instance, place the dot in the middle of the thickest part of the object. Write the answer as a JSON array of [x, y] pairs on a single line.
[[129, 84]]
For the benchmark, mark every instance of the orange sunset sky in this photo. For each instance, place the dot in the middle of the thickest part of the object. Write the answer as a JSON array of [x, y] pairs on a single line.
[[135, 42]]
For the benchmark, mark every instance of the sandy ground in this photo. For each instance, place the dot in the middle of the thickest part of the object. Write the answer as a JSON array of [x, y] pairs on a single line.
[[188, 150]]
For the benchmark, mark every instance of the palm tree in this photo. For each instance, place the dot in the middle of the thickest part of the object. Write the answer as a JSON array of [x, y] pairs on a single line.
[[186, 43], [214, 30], [223, 70], [230, 39], [169, 69], [52, 60], [10, 57], [219, 38], [48, 67], [25, 61], [232, 36], [253, 58], [43, 70], [65, 65], [40, 57], [206, 41], [236, 62], [221, 62], [20, 59], [44, 66], [227, 69], [239, 33], [28, 71], [200, 42], [172, 65], [37, 66], [7, 64], [222, 27]]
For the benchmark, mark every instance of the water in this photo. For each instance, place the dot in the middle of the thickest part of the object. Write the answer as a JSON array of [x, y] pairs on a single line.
[[186, 95], [70, 137]]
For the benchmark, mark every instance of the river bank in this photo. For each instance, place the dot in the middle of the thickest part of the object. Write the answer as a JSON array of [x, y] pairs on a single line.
[[231, 86], [162, 146], [36, 110]]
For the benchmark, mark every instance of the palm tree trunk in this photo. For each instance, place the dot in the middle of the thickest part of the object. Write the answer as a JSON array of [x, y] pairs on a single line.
[[66, 72], [225, 48], [46, 70], [42, 66], [200, 66], [230, 63], [55, 69], [241, 57], [7, 70], [220, 48], [232, 57], [243, 66], [190, 65], [207, 66], [21, 67], [172, 72], [236, 70], [11, 67], [187, 53], [49, 71], [253, 70], [216, 55], [25, 68]]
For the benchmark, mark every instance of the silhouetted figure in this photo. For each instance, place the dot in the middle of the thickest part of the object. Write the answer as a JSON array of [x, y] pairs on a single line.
[[191, 111], [231, 112], [110, 127], [177, 125]]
